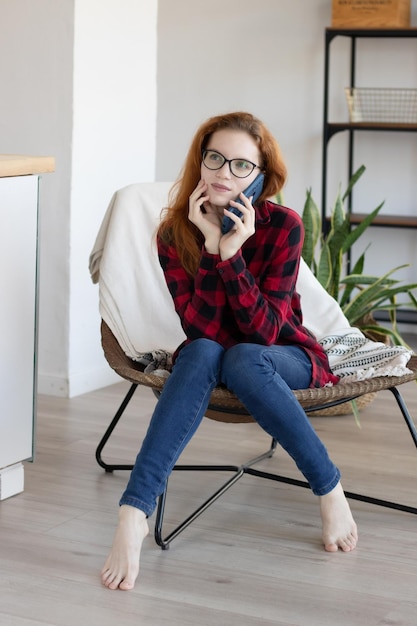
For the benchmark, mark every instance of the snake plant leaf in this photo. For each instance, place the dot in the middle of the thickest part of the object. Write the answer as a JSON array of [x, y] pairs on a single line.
[[336, 274], [349, 287], [364, 302], [339, 227], [355, 411], [393, 313], [338, 216], [356, 232], [361, 311], [359, 295], [337, 237], [371, 293], [374, 296], [324, 267], [354, 179], [312, 228], [380, 332], [413, 299], [366, 279]]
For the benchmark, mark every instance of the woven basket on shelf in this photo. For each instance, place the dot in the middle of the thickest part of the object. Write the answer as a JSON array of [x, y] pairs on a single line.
[[381, 105]]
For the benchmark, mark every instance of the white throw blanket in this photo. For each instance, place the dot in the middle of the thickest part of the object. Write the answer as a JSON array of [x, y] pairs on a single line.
[[354, 357], [135, 302]]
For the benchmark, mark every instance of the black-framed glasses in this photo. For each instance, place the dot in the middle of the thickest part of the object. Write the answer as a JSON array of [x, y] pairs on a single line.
[[241, 168]]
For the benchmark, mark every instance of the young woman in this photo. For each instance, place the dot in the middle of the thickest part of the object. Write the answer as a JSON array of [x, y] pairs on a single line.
[[235, 295]]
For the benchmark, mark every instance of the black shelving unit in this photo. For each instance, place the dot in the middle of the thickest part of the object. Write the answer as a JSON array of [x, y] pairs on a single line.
[[330, 128]]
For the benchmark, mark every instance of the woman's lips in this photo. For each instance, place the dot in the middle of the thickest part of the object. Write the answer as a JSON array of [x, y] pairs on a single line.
[[219, 188]]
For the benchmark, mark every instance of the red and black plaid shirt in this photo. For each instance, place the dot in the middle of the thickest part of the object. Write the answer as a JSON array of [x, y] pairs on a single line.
[[250, 298]]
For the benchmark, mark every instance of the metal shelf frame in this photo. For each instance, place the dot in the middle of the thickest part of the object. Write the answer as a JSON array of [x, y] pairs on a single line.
[[330, 129]]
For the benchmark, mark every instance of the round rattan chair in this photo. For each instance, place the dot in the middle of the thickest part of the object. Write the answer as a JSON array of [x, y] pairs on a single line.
[[225, 407]]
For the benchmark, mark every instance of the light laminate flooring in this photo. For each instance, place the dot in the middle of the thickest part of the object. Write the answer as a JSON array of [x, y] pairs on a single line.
[[252, 559]]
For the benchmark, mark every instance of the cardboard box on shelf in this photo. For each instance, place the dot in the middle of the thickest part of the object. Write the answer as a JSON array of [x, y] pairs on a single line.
[[371, 13]]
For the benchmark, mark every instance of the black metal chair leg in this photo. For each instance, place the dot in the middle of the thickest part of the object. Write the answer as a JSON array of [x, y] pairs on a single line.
[[248, 468], [111, 467], [349, 494], [164, 543], [405, 412], [239, 471]]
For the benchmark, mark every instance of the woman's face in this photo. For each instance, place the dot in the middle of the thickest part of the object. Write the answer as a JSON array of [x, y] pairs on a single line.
[[224, 186]]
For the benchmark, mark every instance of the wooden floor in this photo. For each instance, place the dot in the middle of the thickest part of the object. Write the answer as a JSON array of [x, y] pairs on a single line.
[[254, 558]]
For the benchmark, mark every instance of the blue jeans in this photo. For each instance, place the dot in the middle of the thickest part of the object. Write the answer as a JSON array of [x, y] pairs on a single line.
[[262, 378]]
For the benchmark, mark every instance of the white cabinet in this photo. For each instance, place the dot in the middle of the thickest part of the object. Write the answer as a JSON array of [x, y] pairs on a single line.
[[18, 324]]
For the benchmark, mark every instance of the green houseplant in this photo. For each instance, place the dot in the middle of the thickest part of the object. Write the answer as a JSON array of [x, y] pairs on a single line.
[[359, 295]]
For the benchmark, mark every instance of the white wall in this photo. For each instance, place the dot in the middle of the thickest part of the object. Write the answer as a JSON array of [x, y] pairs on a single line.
[[265, 57], [78, 83], [36, 74], [114, 135]]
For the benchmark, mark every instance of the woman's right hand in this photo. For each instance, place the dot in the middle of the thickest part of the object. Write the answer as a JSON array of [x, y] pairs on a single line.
[[203, 215]]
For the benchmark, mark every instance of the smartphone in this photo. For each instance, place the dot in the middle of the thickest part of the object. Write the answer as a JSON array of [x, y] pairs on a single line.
[[255, 190]]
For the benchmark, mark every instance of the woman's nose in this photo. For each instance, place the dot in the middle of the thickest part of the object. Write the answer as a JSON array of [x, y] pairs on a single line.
[[224, 170]]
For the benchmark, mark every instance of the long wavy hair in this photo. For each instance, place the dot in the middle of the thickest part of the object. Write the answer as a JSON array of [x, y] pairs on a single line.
[[175, 228]]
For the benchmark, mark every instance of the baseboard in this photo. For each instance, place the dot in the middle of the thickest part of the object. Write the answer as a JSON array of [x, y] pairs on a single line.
[[53, 386], [78, 384], [12, 480]]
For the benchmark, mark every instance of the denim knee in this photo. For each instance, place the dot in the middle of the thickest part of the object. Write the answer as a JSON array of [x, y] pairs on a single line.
[[201, 353], [247, 364], [242, 364], [240, 356]]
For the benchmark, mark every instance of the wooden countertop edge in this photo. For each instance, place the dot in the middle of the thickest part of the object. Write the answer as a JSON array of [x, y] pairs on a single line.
[[22, 165]]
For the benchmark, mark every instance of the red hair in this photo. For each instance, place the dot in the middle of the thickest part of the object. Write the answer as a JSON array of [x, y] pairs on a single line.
[[175, 228]]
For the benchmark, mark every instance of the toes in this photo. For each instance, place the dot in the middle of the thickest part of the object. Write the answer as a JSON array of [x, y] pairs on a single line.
[[117, 581], [331, 547], [105, 576], [346, 545], [351, 541], [110, 580], [126, 585]]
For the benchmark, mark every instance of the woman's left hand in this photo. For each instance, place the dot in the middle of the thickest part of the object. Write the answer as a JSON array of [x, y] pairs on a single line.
[[244, 228]]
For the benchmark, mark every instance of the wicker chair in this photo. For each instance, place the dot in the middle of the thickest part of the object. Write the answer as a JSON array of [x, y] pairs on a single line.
[[224, 406], [124, 257]]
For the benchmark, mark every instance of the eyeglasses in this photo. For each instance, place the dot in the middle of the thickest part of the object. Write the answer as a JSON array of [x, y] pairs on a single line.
[[241, 168]]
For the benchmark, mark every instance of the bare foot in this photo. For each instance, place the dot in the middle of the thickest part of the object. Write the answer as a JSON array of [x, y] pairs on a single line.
[[122, 566], [339, 528]]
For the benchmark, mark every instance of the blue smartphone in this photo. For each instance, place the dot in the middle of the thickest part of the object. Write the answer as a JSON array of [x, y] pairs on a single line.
[[255, 190]]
